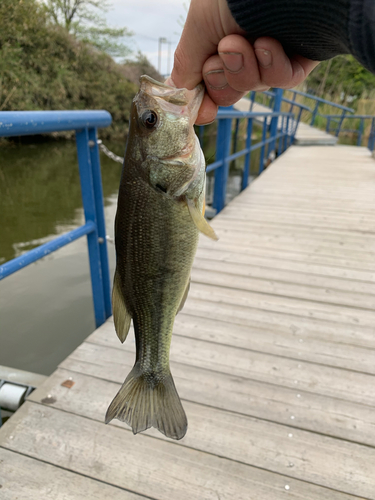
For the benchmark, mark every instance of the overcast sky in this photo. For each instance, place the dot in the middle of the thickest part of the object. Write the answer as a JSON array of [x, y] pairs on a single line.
[[149, 20]]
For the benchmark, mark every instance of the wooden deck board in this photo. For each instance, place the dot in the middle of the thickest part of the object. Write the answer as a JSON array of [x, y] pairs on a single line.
[[273, 356]]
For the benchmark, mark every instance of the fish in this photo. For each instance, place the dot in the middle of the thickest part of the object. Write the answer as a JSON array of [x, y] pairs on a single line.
[[160, 214]]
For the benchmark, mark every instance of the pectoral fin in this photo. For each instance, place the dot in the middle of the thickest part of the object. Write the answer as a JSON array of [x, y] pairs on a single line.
[[121, 316], [200, 221], [183, 300]]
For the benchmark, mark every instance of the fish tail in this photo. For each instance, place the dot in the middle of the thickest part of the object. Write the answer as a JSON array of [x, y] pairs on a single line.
[[147, 401]]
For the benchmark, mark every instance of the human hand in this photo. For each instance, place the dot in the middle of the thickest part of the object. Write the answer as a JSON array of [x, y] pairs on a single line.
[[213, 48]]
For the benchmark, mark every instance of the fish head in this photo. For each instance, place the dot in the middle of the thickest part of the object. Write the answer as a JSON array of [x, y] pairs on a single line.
[[163, 119]]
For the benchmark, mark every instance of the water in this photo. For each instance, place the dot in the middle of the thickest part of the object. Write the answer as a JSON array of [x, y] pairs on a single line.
[[46, 308]]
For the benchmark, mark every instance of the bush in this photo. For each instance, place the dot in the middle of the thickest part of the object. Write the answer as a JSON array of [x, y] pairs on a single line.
[[42, 67]]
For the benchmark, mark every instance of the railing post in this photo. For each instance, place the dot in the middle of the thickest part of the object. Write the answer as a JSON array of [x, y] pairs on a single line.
[[264, 134], [99, 207], [223, 140], [315, 112], [246, 170], [340, 123], [371, 138], [360, 131], [275, 119], [328, 124], [236, 135], [88, 199]]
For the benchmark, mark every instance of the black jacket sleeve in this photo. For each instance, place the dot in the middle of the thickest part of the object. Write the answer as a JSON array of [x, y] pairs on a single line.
[[317, 29]]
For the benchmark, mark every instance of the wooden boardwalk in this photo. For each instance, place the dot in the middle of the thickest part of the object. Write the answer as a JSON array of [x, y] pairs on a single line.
[[305, 136], [273, 356]]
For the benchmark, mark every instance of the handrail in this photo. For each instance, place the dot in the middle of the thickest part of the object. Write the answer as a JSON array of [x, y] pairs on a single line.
[[85, 124], [321, 100], [360, 131], [277, 134], [314, 112], [280, 127], [15, 123]]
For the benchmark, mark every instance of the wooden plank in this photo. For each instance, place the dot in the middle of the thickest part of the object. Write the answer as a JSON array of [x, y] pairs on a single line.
[[292, 271], [157, 468], [297, 374], [335, 235], [269, 400], [312, 243], [301, 327], [24, 478], [358, 227], [285, 305], [331, 349], [292, 253], [238, 276], [259, 205], [257, 443]]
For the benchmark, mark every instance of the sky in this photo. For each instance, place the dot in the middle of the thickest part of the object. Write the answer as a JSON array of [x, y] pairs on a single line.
[[150, 20]]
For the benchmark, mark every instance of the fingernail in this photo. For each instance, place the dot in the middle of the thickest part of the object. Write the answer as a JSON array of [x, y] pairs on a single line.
[[216, 79], [233, 61], [264, 57]]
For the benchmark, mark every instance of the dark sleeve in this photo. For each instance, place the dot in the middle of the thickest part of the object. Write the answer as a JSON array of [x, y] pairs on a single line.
[[317, 29]]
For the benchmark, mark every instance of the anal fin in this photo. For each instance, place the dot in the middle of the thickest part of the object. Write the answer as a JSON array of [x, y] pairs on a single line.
[[121, 316], [200, 221]]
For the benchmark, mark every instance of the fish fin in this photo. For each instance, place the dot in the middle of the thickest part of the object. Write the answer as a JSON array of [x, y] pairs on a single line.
[[184, 297], [121, 316], [200, 221], [144, 401]]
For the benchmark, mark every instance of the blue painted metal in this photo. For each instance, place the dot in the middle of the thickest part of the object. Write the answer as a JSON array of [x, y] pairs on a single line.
[[85, 124], [223, 142], [263, 142], [371, 139], [89, 206], [338, 119], [43, 250], [99, 207], [246, 170], [275, 119], [283, 136], [360, 131], [15, 123]]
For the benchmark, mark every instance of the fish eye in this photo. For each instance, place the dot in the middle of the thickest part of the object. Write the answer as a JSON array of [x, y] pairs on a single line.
[[149, 119]]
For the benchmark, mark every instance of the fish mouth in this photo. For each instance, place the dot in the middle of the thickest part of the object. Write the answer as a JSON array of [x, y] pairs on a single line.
[[192, 99]]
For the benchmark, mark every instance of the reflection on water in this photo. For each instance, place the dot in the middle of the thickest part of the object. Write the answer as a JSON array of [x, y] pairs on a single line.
[[46, 308]]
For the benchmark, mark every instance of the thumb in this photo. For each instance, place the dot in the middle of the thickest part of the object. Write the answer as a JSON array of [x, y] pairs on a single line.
[[198, 42]]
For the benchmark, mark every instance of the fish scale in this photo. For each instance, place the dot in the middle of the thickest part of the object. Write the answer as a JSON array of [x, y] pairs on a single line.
[[159, 216]]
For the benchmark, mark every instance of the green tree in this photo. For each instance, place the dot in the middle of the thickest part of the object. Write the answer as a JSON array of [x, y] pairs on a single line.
[[42, 66], [342, 79], [84, 19]]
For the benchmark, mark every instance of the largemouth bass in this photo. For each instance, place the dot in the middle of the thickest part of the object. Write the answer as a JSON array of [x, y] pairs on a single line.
[[159, 216]]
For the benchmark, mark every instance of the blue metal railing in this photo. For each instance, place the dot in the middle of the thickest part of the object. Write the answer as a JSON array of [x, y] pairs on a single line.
[[85, 124], [360, 131], [278, 131], [314, 109]]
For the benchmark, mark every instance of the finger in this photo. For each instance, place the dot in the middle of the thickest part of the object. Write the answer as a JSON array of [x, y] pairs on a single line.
[[193, 49], [217, 85], [240, 64], [207, 111], [276, 68]]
